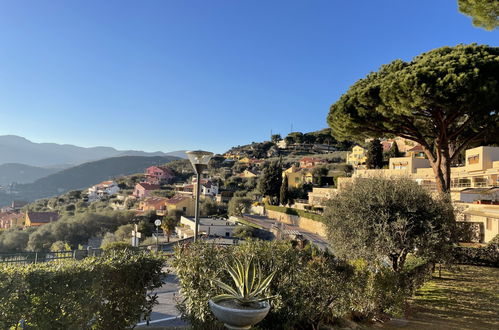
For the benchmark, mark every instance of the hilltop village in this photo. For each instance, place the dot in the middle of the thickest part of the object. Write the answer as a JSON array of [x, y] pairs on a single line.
[[311, 168]]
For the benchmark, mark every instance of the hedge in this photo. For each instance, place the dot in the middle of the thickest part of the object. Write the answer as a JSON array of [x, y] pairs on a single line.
[[484, 256], [291, 211], [96, 293]]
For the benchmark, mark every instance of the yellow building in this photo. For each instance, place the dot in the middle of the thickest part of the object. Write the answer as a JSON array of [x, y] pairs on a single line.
[[358, 156], [35, 219], [180, 203], [297, 176], [480, 171]]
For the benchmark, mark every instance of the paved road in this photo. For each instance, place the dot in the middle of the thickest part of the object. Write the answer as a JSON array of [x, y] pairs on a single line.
[[266, 223], [166, 312]]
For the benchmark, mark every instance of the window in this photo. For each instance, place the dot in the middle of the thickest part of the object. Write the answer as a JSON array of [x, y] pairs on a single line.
[[184, 209], [400, 166], [473, 159]]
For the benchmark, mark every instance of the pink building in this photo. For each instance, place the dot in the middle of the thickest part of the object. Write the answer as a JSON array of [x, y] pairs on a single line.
[[159, 174], [144, 189]]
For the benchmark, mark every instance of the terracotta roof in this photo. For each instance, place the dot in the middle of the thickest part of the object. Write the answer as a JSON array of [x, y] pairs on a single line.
[[416, 148], [156, 202], [148, 186], [177, 199], [387, 145], [43, 217]]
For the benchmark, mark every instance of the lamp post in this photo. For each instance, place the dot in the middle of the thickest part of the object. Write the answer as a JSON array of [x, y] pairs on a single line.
[[199, 160]]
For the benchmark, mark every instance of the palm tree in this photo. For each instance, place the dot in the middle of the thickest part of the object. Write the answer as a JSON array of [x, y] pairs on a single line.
[[168, 225]]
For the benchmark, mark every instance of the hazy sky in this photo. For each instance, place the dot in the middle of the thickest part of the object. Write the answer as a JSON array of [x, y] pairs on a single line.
[[168, 75]]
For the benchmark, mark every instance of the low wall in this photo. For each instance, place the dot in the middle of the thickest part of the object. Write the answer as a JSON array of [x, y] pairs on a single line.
[[308, 224]]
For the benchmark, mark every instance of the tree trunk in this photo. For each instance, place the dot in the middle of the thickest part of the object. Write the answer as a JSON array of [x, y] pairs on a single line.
[[440, 164]]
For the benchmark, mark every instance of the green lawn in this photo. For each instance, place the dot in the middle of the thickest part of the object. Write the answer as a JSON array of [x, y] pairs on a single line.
[[466, 298]]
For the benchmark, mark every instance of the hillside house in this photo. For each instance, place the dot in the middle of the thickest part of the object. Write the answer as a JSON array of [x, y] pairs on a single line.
[[209, 226], [358, 156], [209, 188], [248, 174], [297, 176], [144, 189], [180, 203], [157, 204], [35, 219], [11, 219], [159, 175], [103, 189], [310, 162]]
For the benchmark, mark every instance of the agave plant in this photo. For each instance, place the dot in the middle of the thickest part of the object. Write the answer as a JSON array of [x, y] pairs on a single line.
[[249, 283]]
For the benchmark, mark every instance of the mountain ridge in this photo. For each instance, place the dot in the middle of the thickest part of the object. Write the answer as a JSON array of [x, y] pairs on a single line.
[[82, 176], [17, 149]]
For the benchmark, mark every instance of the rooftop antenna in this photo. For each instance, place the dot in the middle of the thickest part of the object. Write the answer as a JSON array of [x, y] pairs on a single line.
[[291, 128]]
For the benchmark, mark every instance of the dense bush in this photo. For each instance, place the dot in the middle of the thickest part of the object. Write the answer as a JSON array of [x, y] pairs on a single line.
[[96, 293], [312, 287], [482, 256]]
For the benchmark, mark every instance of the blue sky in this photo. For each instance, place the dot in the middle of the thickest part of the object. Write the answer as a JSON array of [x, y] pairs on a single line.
[[169, 75]]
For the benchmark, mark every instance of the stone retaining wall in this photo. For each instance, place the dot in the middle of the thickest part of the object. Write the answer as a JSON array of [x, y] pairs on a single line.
[[304, 223]]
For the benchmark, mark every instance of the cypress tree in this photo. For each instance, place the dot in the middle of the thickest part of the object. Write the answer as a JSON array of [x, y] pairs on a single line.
[[374, 154], [284, 193]]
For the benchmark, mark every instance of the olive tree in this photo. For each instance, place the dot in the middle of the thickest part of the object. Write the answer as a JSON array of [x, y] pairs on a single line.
[[238, 205], [444, 100], [383, 220]]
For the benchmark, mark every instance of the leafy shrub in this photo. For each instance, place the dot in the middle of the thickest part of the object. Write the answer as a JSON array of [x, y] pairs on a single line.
[[117, 246], [311, 287], [483, 256], [96, 293]]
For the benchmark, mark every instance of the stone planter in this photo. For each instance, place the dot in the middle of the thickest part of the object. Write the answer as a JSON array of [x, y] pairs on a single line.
[[234, 318]]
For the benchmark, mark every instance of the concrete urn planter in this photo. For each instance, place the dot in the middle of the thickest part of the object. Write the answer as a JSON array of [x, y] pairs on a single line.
[[235, 318]]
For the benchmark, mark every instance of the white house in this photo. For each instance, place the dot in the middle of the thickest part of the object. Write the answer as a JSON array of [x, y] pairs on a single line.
[[208, 187], [209, 226], [103, 189]]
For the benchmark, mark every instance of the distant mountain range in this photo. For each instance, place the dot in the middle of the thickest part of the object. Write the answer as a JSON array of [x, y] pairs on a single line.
[[20, 173], [82, 176], [16, 149]]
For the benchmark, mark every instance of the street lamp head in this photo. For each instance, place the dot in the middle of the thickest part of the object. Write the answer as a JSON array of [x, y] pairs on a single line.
[[199, 159]]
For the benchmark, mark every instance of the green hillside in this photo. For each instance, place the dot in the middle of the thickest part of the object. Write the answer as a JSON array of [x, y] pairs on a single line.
[[83, 176], [22, 173]]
